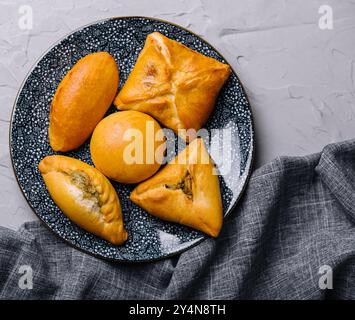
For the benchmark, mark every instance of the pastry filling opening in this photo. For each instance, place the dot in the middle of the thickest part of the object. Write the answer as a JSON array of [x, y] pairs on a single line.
[[185, 185], [89, 197]]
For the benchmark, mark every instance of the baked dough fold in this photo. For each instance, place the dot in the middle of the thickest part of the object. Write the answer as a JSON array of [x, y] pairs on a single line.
[[174, 84], [185, 191], [85, 196]]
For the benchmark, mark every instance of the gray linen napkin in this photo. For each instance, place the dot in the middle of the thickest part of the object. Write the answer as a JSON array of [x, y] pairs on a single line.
[[292, 236]]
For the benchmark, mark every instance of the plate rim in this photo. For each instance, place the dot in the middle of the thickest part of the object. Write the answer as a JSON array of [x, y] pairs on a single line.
[[172, 254]]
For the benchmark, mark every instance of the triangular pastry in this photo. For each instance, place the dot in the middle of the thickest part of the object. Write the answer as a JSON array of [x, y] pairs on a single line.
[[85, 196], [185, 191], [174, 84]]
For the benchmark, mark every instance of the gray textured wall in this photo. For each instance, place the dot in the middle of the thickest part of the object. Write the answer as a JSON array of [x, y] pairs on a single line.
[[300, 79]]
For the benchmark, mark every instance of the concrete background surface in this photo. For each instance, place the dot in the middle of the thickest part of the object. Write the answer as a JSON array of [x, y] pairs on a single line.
[[300, 78]]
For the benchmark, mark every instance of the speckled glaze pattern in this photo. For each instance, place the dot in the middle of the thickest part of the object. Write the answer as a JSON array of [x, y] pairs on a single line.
[[149, 238]]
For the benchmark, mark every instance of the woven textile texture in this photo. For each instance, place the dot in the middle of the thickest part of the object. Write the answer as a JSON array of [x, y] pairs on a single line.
[[297, 215]]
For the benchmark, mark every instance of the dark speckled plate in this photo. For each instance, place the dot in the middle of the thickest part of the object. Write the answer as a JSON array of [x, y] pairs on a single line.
[[149, 237]]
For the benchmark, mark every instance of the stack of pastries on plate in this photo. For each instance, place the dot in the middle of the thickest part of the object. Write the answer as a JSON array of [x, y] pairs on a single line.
[[170, 86]]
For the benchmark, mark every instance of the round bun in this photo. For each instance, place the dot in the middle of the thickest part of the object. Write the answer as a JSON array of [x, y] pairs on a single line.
[[128, 146]]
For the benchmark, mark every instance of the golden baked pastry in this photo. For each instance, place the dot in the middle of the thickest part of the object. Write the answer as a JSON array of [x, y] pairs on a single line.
[[174, 84], [125, 146], [185, 191], [81, 100], [85, 196]]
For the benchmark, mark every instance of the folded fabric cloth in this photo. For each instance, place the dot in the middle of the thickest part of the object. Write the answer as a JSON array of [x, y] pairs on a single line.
[[294, 225]]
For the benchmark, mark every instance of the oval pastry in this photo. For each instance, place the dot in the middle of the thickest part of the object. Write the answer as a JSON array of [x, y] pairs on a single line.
[[85, 196], [81, 100]]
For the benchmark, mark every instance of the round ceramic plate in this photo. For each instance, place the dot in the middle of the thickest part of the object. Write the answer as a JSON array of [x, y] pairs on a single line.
[[149, 238]]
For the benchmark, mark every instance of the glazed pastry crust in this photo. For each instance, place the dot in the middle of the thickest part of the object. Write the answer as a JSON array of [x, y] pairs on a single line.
[[81, 100], [108, 146], [85, 196], [174, 84], [185, 191]]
